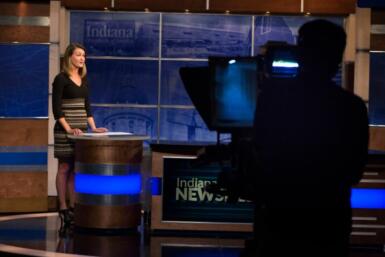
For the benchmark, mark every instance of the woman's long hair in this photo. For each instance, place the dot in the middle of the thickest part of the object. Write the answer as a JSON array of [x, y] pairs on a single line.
[[67, 62]]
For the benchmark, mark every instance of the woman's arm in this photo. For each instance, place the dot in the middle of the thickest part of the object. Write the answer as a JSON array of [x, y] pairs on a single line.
[[93, 127], [68, 128]]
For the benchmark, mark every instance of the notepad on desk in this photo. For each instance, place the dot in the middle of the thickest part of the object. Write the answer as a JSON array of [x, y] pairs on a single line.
[[109, 134]]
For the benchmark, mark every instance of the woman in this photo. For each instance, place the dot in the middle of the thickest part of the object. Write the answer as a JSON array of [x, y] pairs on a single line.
[[72, 112]]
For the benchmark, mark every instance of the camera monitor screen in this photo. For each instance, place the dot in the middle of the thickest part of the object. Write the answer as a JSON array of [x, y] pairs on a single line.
[[284, 63], [233, 91]]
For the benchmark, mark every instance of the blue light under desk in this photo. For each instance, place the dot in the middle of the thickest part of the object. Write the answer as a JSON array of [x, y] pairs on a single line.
[[368, 198], [156, 185], [108, 185]]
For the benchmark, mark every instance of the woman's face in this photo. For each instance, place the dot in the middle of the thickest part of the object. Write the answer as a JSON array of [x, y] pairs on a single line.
[[78, 58]]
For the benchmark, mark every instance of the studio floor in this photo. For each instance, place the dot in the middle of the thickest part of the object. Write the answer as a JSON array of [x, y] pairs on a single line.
[[38, 235]]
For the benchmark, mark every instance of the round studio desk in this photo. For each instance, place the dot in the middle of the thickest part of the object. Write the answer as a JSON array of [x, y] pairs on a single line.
[[108, 181]]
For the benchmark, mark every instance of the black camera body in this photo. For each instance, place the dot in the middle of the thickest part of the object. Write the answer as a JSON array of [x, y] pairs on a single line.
[[226, 96]]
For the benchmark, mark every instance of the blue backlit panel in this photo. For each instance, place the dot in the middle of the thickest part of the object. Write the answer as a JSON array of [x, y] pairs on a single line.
[[123, 81], [139, 121], [281, 28], [24, 80], [368, 198], [200, 35], [23, 158], [184, 125], [377, 89], [108, 185], [371, 3], [172, 89], [156, 185], [124, 67], [116, 34]]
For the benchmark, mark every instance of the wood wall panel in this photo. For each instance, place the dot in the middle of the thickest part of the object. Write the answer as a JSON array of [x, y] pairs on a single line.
[[26, 132], [330, 6], [161, 5], [27, 204], [349, 76], [238, 6], [377, 138], [25, 34], [256, 6], [23, 191], [377, 42], [377, 39], [24, 8], [15, 184], [378, 16], [84, 5]]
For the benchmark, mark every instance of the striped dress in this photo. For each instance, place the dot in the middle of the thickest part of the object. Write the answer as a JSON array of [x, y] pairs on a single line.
[[71, 102]]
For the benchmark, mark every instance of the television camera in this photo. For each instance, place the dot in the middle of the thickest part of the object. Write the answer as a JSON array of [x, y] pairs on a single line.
[[225, 94]]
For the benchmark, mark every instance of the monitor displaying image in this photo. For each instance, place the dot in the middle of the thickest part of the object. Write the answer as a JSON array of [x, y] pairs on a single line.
[[234, 91]]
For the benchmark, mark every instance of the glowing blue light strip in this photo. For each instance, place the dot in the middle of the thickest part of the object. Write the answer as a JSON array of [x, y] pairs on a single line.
[[156, 185], [109, 185], [23, 158], [368, 198], [285, 64]]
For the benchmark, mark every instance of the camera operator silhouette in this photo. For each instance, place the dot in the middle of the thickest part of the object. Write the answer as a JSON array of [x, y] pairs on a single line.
[[311, 140]]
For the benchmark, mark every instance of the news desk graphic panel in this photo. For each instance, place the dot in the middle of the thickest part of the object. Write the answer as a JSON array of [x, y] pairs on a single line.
[[116, 34], [185, 197]]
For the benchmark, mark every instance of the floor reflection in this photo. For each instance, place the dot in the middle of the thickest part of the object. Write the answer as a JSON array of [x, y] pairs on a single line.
[[38, 235], [193, 247], [42, 233], [101, 245]]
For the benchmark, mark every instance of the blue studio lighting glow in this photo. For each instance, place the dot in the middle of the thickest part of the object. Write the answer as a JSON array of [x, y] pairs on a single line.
[[285, 64], [108, 185], [156, 185], [23, 158], [368, 198]]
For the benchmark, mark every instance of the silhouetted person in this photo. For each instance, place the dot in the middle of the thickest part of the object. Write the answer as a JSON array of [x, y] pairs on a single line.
[[311, 137]]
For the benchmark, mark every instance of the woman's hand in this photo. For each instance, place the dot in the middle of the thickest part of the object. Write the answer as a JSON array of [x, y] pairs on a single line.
[[75, 131], [99, 130]]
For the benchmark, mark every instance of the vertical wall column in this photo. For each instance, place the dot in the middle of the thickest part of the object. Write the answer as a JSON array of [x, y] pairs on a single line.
[[54, 68], [24, 37], [361, 77], [58, 43], [350, 53]]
